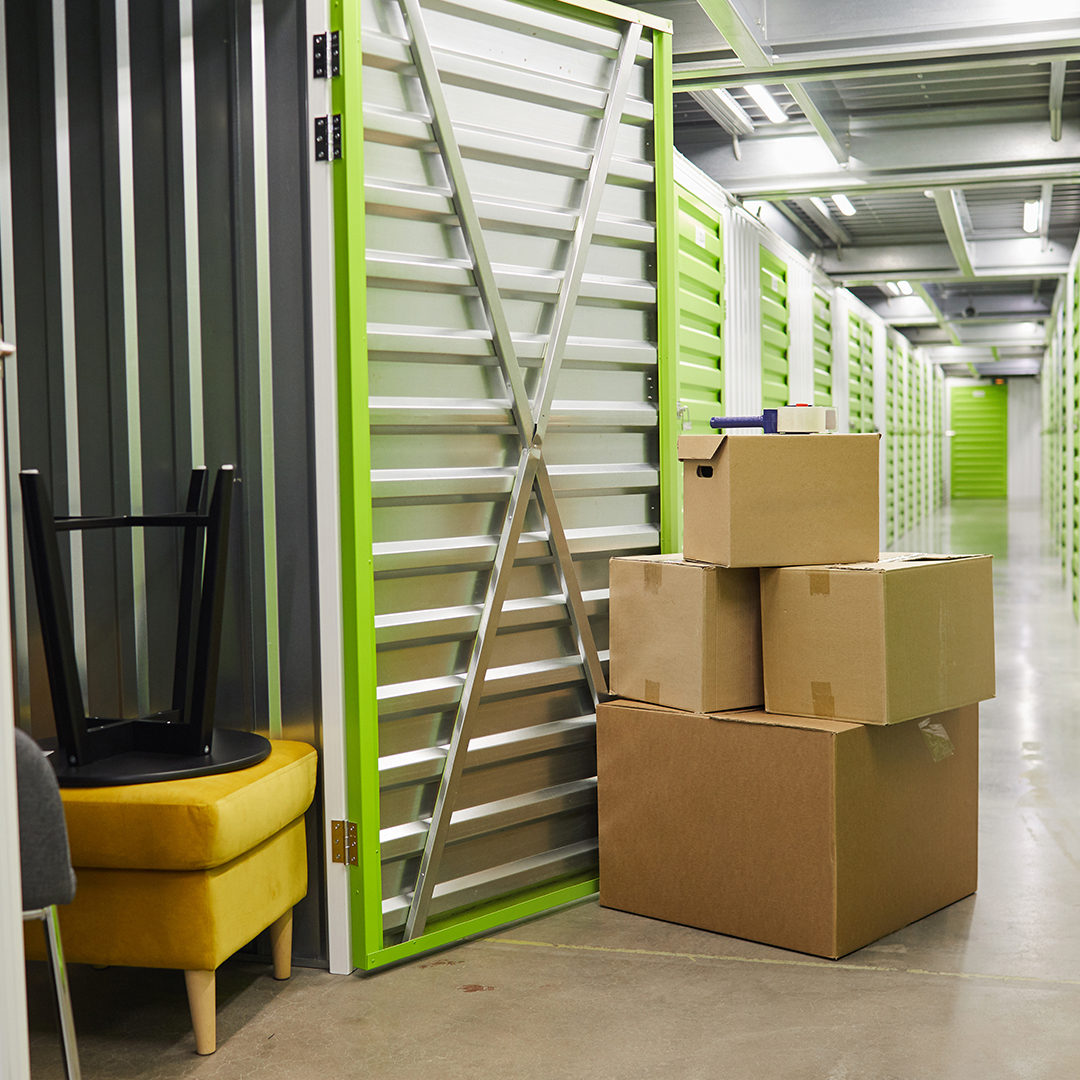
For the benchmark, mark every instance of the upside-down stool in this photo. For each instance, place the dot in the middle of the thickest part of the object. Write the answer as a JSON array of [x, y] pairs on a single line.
[[183, 873]]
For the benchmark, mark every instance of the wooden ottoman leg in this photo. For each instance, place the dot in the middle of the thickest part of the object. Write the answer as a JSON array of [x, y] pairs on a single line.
[[202, 998], [281, 945]]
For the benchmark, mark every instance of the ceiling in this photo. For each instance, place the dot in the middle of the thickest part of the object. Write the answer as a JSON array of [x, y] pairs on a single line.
[[938, 119]]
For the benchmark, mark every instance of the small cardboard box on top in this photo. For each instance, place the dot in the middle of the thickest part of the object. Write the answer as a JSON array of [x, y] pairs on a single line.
[[878, 642], [685, 634], [772, 500], [807, 834]]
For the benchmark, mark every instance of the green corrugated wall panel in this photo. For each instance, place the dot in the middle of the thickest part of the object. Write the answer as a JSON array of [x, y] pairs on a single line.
[[774, 331], [909, 440], [1073, 317], [860, 374], [979, 418], [854, 364], [701, 311], [822, 329]]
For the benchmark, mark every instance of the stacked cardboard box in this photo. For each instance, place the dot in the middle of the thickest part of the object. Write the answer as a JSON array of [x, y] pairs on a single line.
[[847, 807]]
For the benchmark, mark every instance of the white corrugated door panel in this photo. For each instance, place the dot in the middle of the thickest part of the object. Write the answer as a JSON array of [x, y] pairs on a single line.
[[511, 293]]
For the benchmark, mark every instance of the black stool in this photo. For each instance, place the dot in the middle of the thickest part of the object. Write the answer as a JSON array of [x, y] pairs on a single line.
[[181, 741]]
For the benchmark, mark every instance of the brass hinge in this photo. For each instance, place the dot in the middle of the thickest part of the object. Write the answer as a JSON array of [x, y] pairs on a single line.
[[343, 843]]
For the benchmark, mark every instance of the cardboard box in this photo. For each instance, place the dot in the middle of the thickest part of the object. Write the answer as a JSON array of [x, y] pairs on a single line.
[[780, 500], [878, 642], [685, 634], [808, 834]]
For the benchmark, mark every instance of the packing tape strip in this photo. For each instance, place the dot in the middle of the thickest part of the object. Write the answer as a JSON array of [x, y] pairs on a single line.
[[819, 582], [652, 690], [654, 577], [937, 738]]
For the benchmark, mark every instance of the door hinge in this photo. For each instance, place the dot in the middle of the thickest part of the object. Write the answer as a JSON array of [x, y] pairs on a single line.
[[328, 137], [343, 843], [326, 55]]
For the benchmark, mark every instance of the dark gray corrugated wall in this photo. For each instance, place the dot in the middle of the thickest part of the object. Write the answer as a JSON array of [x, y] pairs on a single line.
[[155, 266]]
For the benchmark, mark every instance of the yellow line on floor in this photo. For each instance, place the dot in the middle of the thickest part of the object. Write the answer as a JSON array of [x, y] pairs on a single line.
[[780, 962]]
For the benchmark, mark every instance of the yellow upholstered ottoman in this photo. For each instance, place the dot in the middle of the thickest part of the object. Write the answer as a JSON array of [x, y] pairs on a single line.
[[182, 873]]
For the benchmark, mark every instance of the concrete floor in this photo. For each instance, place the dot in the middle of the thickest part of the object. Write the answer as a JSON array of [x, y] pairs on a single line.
[[987, 988]]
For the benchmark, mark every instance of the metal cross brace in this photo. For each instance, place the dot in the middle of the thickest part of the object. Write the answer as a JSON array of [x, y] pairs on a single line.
[[531, 420]]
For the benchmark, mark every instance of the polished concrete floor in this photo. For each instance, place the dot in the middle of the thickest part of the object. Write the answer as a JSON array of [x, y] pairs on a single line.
[[988, 989]]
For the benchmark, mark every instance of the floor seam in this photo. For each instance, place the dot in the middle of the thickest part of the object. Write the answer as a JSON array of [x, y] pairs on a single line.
[[781, 962]]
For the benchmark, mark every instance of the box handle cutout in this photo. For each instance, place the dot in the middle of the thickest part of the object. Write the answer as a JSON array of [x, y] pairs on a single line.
[[704, 471]]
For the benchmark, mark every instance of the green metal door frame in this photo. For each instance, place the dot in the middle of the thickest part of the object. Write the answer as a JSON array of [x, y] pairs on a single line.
[[360, 707]]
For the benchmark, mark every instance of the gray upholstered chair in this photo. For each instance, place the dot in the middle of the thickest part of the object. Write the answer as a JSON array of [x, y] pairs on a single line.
[[47, 877]]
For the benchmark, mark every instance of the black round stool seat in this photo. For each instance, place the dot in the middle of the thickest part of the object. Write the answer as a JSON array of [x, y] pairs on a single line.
[[231, 750]]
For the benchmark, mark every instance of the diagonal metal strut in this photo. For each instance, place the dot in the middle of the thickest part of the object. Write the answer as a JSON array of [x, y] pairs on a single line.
[[531, 421]]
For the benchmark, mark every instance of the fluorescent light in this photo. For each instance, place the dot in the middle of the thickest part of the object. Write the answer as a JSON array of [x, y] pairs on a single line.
[[843, 204], [893, 287], [1032, 215], [725, 110], [767, 103], [905, 288], [819, 203]]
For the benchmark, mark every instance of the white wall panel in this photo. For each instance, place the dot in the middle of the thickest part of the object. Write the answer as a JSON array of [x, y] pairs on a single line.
[[742, 361], [1025, 421], [801, 329]]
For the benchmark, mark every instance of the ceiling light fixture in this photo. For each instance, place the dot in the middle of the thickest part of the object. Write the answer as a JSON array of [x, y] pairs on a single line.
[[725, 110], [1032, 215], [893, 287], [843, 204], [905, 288], [767, 103], [819, 203]]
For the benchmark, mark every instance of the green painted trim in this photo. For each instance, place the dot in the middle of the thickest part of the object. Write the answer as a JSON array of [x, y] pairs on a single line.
[[490, 916], [667, 292], [354, 440]]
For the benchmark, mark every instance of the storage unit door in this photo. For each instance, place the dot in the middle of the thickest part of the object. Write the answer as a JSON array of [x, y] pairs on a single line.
[[980, 442], [701, 313], [513, 372]]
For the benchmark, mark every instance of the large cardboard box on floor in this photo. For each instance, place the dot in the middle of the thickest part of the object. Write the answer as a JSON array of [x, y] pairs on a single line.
[[804, 833], [685, 634], [779, 500], [878, 642]]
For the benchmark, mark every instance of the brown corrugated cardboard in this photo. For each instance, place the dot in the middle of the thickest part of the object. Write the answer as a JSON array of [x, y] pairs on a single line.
[[685, 634], [779, 500], [804, 833], [878, 642]]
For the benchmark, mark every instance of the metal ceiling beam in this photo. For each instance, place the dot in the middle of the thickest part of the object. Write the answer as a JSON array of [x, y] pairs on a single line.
[[928, 300], [798, 222], [952, 209], [741, 28], [993, 259], [862, 64], [905, 311], [1057, 94], [817, 103], [774, 165], [825, 221]]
